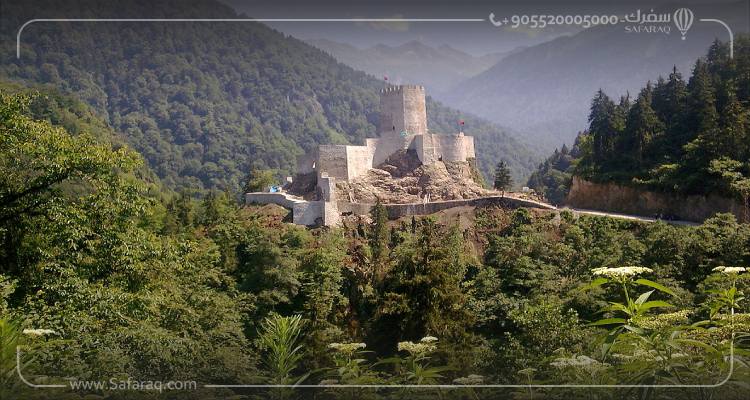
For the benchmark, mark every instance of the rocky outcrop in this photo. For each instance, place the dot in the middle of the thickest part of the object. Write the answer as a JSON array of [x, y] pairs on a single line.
[[403, 179], [629, 200]]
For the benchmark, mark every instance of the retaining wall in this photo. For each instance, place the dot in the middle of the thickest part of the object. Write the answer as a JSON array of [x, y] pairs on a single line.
[[402, 210], [624, 199]]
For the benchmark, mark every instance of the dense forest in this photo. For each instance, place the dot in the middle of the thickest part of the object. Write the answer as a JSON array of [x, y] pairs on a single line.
[[106, 273], [111, 270], [552, 178], [206, 102], [680, 136]]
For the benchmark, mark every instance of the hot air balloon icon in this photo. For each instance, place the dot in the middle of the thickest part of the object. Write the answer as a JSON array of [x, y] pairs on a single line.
[[683, 19]]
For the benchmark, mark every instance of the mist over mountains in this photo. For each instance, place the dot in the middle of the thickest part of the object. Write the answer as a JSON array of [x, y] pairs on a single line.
[[545, 90], [439, 69], [542, 91]]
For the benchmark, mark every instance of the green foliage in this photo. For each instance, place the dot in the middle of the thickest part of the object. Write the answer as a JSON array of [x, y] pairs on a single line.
[[553, 177], [87, 263], [422, 294], [685, 137], [535, 329], [10, 339], [380, 238], [134, 278], [259, 181], [502, 181], [279, 338]]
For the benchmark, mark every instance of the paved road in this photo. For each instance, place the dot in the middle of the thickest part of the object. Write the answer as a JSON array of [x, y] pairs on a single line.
[[627, 216], [605, 213]]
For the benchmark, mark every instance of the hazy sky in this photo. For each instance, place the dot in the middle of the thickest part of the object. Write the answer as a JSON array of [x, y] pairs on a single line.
[[473, 37]]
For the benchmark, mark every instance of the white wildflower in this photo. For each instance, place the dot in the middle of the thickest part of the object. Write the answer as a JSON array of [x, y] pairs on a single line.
[[576, 361], [730, 270], [620, 272], [672, 356], [429, 339], [472, 379], [662, 321], [38, 332], [416, 349], [347, 348]]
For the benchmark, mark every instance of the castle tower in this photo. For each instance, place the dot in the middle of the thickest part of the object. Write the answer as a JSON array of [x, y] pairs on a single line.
[[402, 111]]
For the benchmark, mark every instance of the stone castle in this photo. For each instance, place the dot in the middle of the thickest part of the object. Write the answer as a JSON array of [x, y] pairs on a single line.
[[403, 126]]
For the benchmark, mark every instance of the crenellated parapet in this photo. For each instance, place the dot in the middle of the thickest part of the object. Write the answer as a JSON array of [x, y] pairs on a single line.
[[402, 111]]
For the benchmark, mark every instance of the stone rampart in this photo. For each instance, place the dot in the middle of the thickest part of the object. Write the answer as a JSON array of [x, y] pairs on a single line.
[[332, 160]]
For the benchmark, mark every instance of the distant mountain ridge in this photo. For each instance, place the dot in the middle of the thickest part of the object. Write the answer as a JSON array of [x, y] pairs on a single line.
[[439, 68], [545, 90]]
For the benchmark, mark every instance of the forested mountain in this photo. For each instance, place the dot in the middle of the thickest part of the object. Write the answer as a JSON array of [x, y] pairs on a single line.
[[677, 135], [437, 68], [203, 102], [544, 90], [689, 136]]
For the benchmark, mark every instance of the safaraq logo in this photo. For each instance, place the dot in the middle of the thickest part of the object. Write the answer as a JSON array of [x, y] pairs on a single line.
[[683, 20]]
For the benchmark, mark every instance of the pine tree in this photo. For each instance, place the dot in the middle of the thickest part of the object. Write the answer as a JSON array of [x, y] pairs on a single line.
[[619, 120], [602, 127], [423, 293], [503, 180], [379, 239], [642, 127], [734, 124], [670, 104], [718, 62], [703, 118]]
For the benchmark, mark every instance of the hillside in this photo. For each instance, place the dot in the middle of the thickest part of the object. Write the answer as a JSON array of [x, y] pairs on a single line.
[[681, 136], [545, 90], [203, 102]]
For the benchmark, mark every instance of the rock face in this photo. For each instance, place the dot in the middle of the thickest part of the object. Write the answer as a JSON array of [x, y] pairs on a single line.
[[403, 179], [628, 200]]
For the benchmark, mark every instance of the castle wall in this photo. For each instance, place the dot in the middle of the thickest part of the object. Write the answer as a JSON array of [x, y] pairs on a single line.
[[431, 147], [307, 213], [327, 186], [403, 210], [280, 199], [358, 160], [415, 111], [451, 147], [387, 146], [332, 159], [425, 147], [469, 147]]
